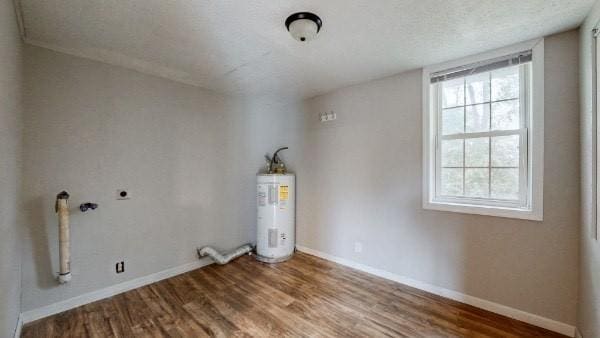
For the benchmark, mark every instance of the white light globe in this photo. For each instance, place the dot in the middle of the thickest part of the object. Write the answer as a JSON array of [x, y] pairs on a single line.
[[303, 29]]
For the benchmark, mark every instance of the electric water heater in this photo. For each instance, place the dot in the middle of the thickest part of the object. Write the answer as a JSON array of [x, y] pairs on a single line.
[[276, 226]]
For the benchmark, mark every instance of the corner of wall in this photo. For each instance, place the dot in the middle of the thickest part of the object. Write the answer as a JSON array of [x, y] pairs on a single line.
[[588, 307]]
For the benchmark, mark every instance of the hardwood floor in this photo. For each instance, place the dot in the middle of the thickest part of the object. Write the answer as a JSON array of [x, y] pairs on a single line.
[[306, 296]]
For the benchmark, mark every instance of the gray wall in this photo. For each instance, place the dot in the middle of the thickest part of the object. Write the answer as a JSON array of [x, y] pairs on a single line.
[[588, 314], [10, 158], [188, 156], [360, 180]]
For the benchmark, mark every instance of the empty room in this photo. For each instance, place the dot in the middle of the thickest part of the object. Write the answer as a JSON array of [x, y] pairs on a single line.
[[230, 168]]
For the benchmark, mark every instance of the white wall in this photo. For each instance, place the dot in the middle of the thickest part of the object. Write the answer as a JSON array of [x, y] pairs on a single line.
[[588, 315], [10, 158], [360, 180], [187, 156]]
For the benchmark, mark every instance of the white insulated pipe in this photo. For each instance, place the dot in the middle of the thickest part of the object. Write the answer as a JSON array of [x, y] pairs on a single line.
[[226, 258], [62, 208]]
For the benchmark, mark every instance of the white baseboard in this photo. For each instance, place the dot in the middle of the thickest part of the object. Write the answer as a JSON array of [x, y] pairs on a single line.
[[523, 316], [578, 333], [48, 310], [19, 326]]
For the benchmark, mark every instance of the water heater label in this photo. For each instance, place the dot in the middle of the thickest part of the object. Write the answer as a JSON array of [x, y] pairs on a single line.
[[262, 196], [262, 199], [283, 193]]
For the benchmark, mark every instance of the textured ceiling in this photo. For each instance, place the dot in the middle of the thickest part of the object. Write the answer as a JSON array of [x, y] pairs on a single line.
[[242, 47]]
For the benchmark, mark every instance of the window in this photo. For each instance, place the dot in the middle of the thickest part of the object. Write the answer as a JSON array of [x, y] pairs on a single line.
[[482, 126]]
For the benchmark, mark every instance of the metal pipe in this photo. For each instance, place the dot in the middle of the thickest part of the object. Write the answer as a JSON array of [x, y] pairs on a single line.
[[275, 159], [222, 259]]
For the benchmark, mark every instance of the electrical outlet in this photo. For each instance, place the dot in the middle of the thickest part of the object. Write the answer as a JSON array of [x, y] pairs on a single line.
[[325, 117], [123, 194], [358, 247], [120, 267]]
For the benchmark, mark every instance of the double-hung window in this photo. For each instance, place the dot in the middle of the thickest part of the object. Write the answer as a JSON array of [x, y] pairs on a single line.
[[481, 123]]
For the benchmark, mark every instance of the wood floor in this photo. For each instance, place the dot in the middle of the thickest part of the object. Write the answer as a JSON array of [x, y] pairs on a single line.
[[306, 296]]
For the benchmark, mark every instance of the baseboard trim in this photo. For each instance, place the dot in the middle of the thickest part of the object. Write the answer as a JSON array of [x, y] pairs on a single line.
[[578, 333], [19, 326], [86, 298], [500, 309]]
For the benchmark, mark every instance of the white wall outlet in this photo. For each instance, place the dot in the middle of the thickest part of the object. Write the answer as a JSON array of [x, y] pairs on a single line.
[[325, 117], [120, 267], [123, 194], [358, 247]]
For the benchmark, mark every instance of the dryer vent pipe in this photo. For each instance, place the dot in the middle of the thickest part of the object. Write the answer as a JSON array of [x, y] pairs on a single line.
[[62, 208], [222, 259]]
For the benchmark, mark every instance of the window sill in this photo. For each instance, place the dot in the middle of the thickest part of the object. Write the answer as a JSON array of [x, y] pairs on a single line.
[[518, 213]]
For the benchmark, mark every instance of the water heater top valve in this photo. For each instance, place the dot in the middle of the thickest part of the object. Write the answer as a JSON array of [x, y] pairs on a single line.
[[275, 165]]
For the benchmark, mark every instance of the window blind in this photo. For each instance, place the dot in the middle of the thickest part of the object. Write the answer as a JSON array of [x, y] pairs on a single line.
[[481, 67]]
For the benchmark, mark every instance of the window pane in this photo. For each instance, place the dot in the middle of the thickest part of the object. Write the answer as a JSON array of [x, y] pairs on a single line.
[[505, 151], [478, 118], [505, 83], [505, 115], [477, 152], [453, 121], [478, 88], [452, 182], [505, 184], [453, 93], [452, 153], [477, 182]]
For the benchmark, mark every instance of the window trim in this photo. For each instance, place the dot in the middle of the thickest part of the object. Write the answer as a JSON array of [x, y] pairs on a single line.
[[535, 149]]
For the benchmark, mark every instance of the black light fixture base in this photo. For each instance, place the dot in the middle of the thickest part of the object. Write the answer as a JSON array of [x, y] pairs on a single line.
[[304, 15]]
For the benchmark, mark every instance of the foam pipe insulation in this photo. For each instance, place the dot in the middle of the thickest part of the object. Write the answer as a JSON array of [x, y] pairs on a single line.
[[62, 208], [222, 259]]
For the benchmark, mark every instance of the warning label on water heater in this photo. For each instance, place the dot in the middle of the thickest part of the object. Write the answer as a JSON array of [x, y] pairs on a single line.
[[283, 193]]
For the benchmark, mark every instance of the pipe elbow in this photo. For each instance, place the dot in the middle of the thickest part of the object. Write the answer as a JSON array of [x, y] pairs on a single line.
[[64, 278]]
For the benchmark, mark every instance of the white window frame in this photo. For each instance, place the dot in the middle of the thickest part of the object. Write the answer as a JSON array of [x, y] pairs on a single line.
[[532, 208]]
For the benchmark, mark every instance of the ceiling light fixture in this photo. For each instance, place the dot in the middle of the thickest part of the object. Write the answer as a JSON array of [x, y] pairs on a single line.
[[303, 26]]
